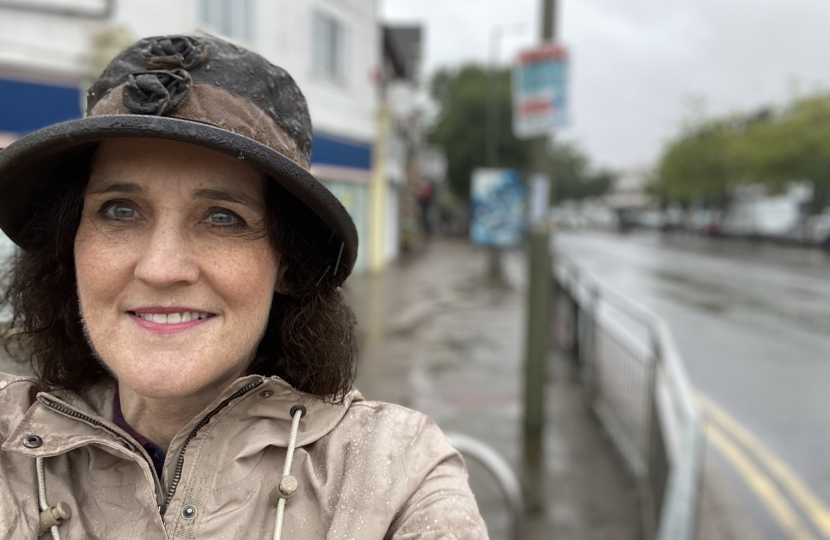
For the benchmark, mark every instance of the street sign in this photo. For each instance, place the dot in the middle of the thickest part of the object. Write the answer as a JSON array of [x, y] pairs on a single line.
[[540, 91], [498, 208]]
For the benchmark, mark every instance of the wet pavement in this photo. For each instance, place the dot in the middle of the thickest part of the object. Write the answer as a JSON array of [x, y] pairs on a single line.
[[752, 322], [436, 337]]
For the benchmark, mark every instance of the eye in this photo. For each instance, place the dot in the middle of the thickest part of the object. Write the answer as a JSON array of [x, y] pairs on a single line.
[[120, 211], [223, 218]]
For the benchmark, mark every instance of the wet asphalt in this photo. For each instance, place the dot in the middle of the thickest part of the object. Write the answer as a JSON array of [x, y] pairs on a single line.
[[752, 322]]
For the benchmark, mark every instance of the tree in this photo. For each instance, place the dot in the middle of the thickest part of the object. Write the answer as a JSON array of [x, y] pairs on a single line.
[[574, 175], [461, 96], [462, 99], [769, 147]]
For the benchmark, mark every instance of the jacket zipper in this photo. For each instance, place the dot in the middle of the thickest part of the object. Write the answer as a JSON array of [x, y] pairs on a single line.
[[75, 414], [177, 473]]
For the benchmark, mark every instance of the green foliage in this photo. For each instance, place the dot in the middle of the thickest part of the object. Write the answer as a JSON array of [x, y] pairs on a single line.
[[462, 99], [767, 147], [575, 178]]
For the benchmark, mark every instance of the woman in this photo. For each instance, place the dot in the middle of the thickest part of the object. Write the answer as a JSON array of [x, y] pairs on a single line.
[[178, 292]]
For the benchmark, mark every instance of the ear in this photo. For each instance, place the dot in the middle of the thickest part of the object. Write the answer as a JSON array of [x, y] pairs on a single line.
[[280, 286]]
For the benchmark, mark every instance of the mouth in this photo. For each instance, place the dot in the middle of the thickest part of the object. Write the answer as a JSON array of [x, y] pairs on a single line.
[[167, 317]]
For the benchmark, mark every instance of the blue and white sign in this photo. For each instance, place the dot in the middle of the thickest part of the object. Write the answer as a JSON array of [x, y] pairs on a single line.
[[498, 208], [540, 91]]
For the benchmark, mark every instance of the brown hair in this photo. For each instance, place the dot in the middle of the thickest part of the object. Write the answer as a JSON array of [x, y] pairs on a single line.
[[309, 339]]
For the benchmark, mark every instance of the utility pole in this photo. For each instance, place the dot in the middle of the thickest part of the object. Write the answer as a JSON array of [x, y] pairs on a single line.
[[538, 314]]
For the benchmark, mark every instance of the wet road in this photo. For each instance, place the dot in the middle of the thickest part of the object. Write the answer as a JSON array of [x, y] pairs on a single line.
[[752, 322]]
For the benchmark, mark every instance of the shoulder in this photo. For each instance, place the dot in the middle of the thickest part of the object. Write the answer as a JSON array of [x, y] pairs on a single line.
[[427, 471], [400, 419], [16, 396], [396, 428]]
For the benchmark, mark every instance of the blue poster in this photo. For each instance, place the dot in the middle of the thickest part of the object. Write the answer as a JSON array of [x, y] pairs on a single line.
[[497, 208]]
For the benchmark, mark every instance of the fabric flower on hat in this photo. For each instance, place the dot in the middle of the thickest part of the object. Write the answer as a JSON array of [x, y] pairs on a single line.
[[174, 52], [156, 92]]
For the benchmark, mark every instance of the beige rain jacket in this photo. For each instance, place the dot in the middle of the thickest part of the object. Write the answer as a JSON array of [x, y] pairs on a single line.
[[366, 470]]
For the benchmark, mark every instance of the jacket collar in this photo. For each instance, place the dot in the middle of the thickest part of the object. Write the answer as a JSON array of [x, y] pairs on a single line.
[[55, 416]]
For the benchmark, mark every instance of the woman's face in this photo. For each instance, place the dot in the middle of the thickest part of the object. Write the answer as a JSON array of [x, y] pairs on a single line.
[[174, 266]]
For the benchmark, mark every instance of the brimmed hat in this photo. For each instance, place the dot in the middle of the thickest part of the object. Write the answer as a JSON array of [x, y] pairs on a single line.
[[198, 90]]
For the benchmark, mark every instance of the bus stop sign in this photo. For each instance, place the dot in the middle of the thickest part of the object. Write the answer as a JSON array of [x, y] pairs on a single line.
[[539, 91]]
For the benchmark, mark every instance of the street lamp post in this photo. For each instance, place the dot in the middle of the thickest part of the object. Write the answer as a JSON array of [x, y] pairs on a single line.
[[492, 129], [491, 135]]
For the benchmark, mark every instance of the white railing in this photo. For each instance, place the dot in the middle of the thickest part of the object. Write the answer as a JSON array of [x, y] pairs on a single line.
[[639, 389]]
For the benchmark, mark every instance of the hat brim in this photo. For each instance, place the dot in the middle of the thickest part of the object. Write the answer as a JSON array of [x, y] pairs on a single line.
[[27, 164]]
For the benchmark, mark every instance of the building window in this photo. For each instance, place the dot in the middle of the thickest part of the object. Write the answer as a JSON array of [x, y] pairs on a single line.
[[233, 19], [329, 46]]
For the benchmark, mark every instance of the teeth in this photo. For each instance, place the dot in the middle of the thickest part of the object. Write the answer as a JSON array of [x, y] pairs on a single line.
[[173, 318]]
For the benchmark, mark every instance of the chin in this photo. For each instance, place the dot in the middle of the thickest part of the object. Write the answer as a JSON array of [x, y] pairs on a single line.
[[165, 377]]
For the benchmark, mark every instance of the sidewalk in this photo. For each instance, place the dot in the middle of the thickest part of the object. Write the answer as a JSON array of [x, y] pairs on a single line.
[[435, 337]]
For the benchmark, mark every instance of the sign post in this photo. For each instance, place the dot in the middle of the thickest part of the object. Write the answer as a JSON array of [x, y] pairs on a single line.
[[539, 106]]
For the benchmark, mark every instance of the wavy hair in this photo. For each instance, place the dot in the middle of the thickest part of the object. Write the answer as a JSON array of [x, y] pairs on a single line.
[[309, 339]]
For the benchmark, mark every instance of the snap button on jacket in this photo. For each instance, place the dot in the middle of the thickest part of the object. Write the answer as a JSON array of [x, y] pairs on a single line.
[[364, 470]]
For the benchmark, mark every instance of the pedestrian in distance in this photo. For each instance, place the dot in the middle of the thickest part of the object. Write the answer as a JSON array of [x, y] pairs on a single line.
[[178, 294]]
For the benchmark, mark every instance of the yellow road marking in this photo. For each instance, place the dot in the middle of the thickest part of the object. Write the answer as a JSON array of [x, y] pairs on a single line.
[[798, 490], [781, 510]]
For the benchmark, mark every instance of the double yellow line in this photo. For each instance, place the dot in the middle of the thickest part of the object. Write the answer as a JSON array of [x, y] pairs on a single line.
[[739, 447]]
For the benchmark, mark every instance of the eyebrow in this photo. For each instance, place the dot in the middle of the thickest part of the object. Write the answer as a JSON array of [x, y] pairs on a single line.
[[119, 187], [227, 195], [233, 196]]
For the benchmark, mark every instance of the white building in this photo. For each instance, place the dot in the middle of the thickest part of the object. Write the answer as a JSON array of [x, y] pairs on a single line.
[[50, 50], [402, 134]]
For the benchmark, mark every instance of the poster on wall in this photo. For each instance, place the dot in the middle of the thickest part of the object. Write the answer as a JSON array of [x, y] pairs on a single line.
[[497, 199]]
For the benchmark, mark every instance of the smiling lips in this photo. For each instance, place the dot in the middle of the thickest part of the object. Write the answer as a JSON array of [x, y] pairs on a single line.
[[169, 320], [173, 318]]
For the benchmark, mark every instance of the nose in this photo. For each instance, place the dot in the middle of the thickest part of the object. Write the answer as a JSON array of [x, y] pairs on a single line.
[[166, 259]]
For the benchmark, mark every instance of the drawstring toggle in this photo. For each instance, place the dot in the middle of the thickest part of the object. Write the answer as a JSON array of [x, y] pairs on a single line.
[[288, 485], [53, 516]]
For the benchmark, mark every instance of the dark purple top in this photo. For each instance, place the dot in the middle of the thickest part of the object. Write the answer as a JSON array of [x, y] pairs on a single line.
[[155, 451]]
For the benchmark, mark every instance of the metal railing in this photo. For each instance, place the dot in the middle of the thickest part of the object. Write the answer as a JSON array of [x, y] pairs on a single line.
[[497, 466], [639, 390]]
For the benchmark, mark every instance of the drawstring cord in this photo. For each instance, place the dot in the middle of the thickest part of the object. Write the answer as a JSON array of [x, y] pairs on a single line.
[[49, 517], [288, 484]]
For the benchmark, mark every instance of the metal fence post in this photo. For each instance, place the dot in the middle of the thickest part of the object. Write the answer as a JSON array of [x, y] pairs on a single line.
[[591, 347], [657, 464]]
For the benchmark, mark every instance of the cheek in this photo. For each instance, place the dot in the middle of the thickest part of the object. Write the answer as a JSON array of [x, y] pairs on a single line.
[[100, 265], [246, 276]]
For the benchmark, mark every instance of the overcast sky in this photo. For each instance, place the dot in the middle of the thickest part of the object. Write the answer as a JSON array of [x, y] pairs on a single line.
[[635, 64]]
